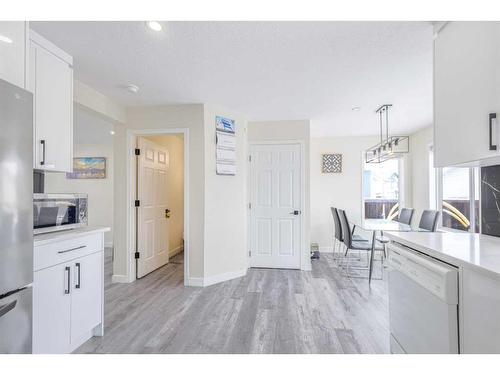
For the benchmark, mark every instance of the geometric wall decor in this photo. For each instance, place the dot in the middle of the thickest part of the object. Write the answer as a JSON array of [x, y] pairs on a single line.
[[332, 163]]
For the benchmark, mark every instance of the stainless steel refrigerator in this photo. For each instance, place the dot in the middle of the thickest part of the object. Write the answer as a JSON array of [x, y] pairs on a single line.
[[16, 218]]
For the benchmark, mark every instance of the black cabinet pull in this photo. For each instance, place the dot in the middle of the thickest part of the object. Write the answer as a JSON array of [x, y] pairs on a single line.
[[78, 283], [42, 142], [492, 116], [68, 285]]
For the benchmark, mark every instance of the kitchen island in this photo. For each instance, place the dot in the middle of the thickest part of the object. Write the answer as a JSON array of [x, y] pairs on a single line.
[[477, 259]]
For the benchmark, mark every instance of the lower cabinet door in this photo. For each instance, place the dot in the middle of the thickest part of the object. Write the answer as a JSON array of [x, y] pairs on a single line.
[[86, 298], [51, 309]]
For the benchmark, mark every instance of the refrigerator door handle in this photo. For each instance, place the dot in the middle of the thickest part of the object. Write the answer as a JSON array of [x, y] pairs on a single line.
[[4, 309], [42, 143]]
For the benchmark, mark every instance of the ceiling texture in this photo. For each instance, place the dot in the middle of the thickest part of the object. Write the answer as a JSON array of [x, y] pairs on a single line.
[[265, 70]]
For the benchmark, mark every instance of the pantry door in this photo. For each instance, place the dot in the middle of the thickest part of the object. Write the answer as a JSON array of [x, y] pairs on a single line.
[[275, 205], [152, 213]]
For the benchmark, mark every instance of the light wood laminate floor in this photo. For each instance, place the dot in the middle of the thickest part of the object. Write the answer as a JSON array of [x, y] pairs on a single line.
[[267, 311]]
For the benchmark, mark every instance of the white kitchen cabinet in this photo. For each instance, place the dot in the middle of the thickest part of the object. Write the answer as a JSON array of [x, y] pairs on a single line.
[[86, 308], [13, 52], [50, 78], [68, 292], [51, 307], [466, 92]]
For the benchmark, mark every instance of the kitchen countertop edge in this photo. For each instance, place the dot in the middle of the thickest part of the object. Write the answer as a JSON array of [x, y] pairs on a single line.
[[399, 237], [46, 238]]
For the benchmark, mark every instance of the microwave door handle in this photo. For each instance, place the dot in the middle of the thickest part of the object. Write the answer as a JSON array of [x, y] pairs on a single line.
[[4, 309]]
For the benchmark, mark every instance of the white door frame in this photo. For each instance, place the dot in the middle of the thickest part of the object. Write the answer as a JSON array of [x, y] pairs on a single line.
[[132, 135], [304, 252]]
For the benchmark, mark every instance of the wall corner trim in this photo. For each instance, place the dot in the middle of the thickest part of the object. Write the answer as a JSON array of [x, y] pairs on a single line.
[[215, 279], [120, 279]]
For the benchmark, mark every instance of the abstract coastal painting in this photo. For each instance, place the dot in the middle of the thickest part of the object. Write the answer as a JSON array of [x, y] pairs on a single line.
[[88, 168]]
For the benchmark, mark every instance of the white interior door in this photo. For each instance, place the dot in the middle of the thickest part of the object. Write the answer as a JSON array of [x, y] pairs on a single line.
[[275, 214], [152, 222]]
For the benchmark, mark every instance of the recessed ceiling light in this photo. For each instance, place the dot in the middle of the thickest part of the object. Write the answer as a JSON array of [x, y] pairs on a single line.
[[5, 39], [154, 25], [132, 88], [112, 132], [356, 109]]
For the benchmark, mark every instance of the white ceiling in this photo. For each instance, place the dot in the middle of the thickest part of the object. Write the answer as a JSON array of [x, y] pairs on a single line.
[[266, 70]]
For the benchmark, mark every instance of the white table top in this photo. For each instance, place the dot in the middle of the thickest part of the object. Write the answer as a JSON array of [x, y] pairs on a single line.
[[475, 251], [383, 225]]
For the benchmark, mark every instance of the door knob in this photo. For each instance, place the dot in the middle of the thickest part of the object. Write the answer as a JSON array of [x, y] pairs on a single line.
[[167, 213], [295, 212]]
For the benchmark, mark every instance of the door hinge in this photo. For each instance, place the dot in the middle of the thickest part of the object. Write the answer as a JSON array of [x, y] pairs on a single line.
[[137, 203], [249, 157], [250, 254], [249, 206], [137, 151], [137, 255]]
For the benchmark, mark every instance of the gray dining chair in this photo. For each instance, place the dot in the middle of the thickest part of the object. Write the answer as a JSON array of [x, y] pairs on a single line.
[[350, 244], [429, 220], [338, 237], [406, 215]]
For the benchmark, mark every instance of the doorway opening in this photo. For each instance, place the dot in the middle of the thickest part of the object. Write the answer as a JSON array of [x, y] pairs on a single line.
[[158, 194]]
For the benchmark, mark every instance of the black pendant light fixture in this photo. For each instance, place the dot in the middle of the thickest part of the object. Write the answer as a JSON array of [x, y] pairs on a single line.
[[389, 147]]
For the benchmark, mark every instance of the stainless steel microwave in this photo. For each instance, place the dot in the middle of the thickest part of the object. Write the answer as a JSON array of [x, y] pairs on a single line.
[[53, 212]]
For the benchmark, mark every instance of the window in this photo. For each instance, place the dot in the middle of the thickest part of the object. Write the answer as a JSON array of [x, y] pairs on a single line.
[[381, 189], [454, 191], [456, 198]]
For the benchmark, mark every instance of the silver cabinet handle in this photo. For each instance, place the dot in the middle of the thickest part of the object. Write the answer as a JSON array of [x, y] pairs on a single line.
[[72, 249], [78, 284], [68, 285]]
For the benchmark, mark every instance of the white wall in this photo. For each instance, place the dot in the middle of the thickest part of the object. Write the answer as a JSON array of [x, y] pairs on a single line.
[[419, 156], [296, 130], [175, 188], [225, 204], [99, 191], [340, 190], [215, 252]]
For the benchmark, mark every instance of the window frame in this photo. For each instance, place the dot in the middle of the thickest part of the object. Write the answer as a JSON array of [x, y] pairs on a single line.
[[438, 204], [401, 183]]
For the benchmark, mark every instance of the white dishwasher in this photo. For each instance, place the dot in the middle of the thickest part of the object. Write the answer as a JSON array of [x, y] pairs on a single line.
[[423, 303]]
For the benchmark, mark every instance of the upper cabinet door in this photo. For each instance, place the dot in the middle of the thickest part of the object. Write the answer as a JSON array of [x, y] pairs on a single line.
[[466, 92], [13, 52], [51, 80]]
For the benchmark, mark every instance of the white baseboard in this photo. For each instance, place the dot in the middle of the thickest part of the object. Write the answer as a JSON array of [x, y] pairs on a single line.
[[174, 252], [120, 279], [215, 279], [194, 281], [326, 249]]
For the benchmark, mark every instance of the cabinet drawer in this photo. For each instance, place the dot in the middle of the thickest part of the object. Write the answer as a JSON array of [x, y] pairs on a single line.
[[66, 250]]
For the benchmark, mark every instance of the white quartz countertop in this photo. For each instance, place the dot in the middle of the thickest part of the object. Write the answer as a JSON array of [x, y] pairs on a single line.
[[475, 251], [45, 238]]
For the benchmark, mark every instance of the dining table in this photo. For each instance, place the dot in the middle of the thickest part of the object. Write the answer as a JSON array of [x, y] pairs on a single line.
[[381, 225]]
